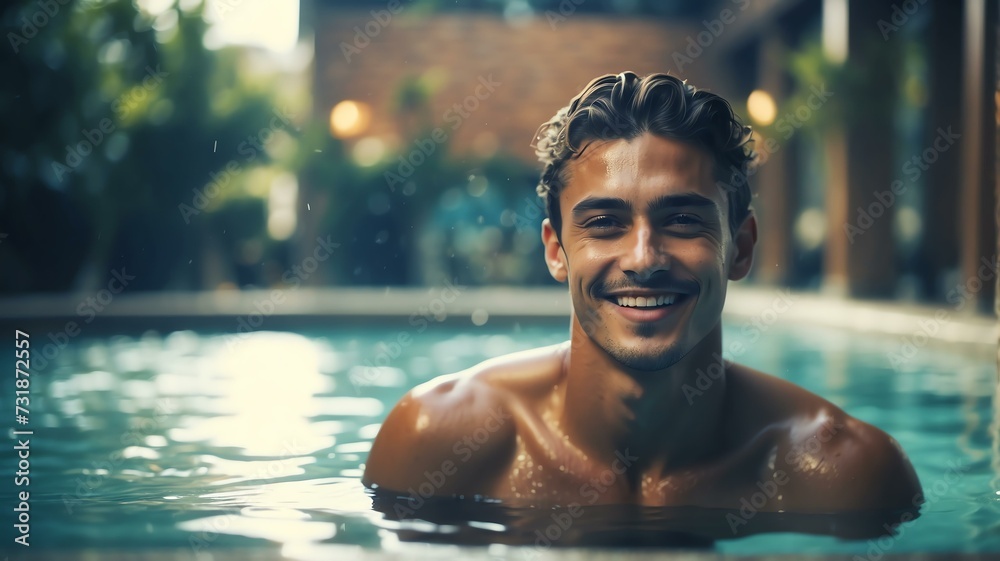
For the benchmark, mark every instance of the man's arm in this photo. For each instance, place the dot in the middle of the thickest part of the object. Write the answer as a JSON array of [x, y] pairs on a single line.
[[452, 434]]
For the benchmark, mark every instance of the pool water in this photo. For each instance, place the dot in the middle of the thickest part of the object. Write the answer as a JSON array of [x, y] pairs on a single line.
[[201, 441]]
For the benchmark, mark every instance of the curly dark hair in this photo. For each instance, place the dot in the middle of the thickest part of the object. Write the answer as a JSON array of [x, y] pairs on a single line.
[[624, 106]]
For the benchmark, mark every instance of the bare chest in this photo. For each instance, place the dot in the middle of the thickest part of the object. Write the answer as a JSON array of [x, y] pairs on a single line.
[[560, 475]]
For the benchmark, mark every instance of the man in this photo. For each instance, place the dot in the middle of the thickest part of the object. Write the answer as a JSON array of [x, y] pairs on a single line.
[[648, 219]]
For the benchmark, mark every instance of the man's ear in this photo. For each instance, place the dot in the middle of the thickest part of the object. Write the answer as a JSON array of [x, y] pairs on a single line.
[[555, 257], [744, 240]]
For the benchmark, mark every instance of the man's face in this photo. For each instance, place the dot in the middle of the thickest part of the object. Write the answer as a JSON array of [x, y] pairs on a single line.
[[646, 248]]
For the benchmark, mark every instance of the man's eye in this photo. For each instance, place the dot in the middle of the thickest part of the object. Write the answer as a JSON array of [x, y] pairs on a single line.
[[602, 222], [684, 220]]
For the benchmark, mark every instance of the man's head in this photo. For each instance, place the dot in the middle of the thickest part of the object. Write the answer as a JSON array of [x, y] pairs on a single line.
[[625, 106], [646, 191]]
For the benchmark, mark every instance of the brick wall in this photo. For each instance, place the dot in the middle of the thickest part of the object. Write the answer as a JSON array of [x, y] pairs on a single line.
[[539, 67]]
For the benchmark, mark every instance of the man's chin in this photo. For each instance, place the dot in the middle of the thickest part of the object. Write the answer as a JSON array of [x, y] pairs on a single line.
[[642, 357]]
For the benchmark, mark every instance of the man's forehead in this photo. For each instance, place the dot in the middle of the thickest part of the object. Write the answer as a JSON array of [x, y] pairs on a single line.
[[649, 164]]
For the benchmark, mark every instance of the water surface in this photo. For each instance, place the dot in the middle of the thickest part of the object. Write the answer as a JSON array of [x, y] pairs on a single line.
[[198, 441]]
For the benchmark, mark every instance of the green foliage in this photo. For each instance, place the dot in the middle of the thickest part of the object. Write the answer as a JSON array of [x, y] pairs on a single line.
[[172, 113], [862, 91], [128, 144]]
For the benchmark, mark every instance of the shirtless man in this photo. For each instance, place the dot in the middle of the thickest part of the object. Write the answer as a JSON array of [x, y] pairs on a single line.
[[648, 218]]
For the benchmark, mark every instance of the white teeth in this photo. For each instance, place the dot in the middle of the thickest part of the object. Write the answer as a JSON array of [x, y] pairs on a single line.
[[646, 301]]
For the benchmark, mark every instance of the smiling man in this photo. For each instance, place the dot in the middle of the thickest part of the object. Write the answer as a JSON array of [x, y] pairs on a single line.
[[648, 220]]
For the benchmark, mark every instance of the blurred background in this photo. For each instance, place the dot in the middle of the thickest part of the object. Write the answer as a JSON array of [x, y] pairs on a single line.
[[311, 206], [226, 145]]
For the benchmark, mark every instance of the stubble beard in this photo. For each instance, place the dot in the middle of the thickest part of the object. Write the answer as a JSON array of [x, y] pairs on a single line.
[[632, 357]]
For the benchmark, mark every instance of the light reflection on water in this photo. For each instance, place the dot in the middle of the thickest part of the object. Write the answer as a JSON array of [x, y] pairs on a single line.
[[197, 441]]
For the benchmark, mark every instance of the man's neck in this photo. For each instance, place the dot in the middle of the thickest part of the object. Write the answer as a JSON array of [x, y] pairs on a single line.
[[666, 418]]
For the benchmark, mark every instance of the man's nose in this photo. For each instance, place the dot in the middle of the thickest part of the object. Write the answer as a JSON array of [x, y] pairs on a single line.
[[644, 254]]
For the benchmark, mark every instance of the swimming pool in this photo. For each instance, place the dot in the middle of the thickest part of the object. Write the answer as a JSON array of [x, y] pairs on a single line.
[[202, 443]]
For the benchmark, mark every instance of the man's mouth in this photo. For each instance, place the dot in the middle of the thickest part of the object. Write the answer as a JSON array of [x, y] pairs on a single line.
[[647, 308], [646, 301]]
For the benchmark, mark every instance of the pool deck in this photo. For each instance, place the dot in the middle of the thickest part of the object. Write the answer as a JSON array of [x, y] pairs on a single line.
[[292, 308]]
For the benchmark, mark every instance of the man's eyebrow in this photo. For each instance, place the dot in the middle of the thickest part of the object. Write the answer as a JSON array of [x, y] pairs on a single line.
[[682, 200], [601, 203], [659, 203]]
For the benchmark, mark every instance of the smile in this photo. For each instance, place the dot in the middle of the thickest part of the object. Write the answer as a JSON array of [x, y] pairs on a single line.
[[645, 301]]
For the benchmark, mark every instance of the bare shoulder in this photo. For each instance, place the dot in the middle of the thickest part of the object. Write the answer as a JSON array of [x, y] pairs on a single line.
[[456, 431], [830, 460]]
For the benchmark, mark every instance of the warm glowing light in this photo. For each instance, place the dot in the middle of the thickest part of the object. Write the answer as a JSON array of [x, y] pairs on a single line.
[[368, 151], [762, 108], [349, 118], [257, 371]]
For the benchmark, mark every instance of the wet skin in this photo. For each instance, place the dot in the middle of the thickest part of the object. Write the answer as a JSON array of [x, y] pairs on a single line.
[[611, 416]]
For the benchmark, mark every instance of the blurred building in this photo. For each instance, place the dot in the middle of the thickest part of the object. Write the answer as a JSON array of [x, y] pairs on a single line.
[[875, 119], [491, 79]]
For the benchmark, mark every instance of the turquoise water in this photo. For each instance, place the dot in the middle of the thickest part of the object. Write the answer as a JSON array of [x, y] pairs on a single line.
[[199, 441]]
